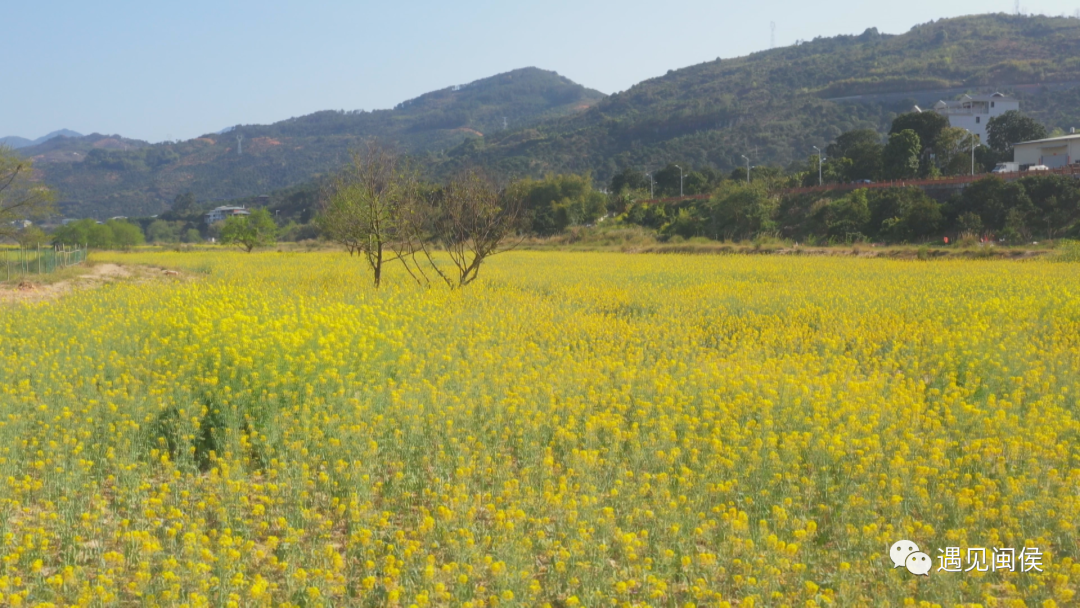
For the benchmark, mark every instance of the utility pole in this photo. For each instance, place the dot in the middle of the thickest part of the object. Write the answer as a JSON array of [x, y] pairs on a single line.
[[818, 165], [680, 180], [973, 155], [747, 167], [972, 152], [652, 185]]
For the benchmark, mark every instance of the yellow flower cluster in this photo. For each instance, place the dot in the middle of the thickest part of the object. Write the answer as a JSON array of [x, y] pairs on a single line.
[[572, 430]]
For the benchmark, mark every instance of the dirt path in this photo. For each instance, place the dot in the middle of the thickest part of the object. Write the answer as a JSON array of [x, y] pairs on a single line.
[[90, 277]]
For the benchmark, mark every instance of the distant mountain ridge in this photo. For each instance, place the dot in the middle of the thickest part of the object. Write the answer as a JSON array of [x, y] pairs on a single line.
[[16, 142], [774, 106], [102, 176]]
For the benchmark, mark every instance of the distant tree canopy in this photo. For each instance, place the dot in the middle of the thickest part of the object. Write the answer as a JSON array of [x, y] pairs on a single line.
[[31, 236], [1038, 206], [558, 201], [250, 231], [900, 158], [1010, 128], [113, 234], [629, 179], [927, 125], [920, 144], [856, 155], [952, 149], [161, 231], [21, 197]]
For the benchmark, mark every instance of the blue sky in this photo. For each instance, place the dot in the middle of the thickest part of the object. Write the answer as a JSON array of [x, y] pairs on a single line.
[[164, 69]]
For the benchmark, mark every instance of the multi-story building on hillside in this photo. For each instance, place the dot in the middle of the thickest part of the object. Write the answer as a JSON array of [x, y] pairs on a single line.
[[972, 112], [223, 213]]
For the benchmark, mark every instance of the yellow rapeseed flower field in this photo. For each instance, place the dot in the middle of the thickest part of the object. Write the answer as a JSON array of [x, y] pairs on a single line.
[[572, 430]]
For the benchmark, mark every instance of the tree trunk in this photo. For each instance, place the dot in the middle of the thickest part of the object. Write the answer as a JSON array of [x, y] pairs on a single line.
[[378, 265]]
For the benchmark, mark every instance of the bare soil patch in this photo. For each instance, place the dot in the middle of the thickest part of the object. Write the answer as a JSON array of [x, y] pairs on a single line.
[[82, 277]]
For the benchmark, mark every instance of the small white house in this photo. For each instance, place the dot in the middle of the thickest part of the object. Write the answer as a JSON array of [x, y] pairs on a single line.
[[1053, 152], [972, 112], [223, 213]]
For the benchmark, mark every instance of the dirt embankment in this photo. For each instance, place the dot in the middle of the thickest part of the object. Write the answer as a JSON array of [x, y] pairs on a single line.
[[82, 277]]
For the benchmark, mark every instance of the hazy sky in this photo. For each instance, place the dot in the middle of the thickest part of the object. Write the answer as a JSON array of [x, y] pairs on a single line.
[[165, 69]]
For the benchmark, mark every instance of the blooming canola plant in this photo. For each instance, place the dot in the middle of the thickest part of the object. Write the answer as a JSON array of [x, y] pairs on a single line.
[[573, 429]]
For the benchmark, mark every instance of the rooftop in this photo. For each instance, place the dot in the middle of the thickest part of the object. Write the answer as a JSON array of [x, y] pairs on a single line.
[[985, 97], [982, 98], [1050, 139]]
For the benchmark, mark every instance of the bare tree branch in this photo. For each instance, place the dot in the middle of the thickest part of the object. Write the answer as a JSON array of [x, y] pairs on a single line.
[[359, 210], [475, 219]]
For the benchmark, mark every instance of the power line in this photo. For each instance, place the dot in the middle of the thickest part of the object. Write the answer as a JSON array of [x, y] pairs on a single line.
[[772, 35]]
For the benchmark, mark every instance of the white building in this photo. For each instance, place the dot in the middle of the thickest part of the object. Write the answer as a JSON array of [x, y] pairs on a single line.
[[972, 112], [223, 213], [1053, 152]]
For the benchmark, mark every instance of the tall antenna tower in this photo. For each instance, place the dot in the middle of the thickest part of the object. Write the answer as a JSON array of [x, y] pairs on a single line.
[[239, 144], [1017, 7], [772, 35]]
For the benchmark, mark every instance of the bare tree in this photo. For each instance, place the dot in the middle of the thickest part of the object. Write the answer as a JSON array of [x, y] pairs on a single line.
[[360, 209], [376, 207], [20, 196], [416, 218], [473, 219]]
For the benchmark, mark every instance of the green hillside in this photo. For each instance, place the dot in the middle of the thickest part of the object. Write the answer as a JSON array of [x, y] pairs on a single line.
[[102, 176], [773, 106]]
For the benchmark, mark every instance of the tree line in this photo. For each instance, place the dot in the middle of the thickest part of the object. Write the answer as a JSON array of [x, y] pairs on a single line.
[[920, 145], [1034, 207], [380, 208]]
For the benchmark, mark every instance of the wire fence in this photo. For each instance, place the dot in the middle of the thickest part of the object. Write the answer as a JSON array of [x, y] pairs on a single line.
[[40, 260]]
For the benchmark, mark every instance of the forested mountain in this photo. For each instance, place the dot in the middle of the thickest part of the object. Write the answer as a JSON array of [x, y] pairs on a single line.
[[102, 176], [773, 106], [14, 141]]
